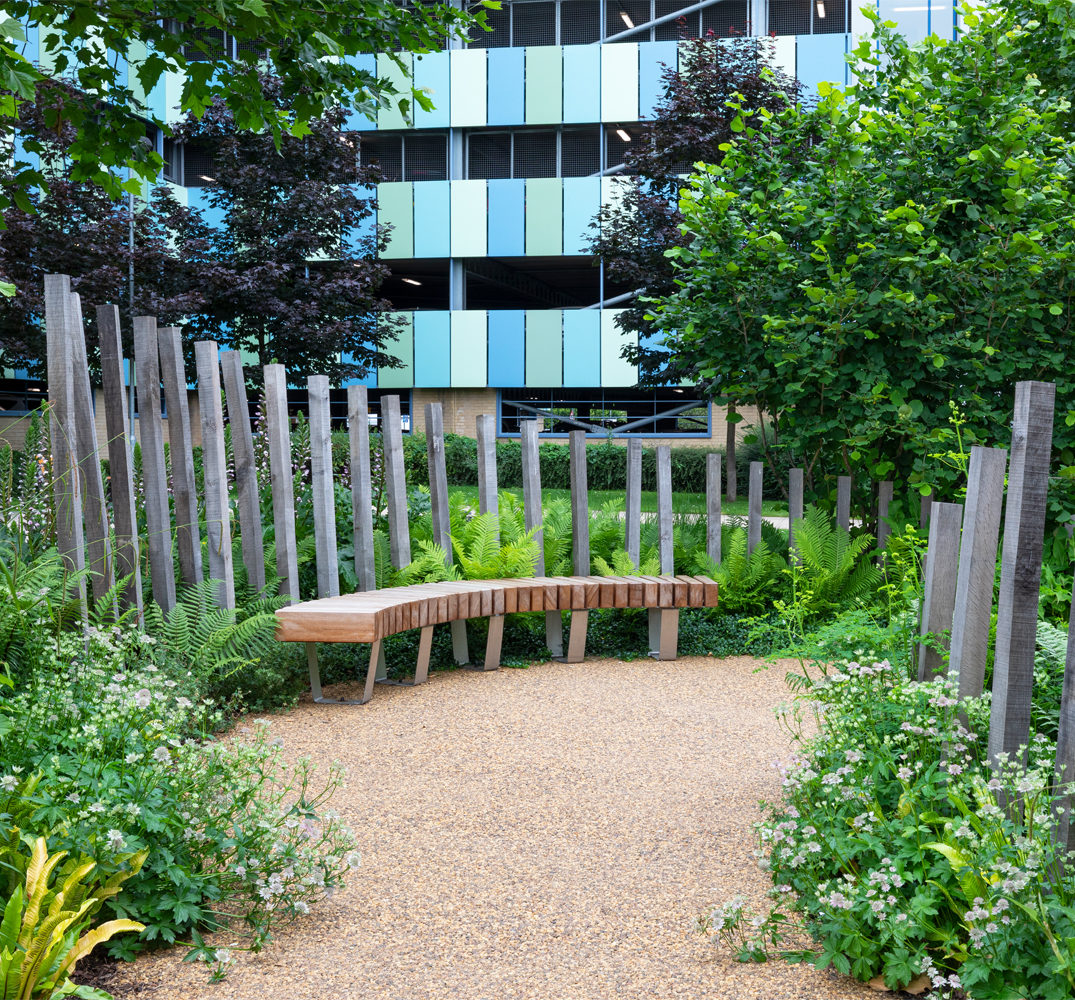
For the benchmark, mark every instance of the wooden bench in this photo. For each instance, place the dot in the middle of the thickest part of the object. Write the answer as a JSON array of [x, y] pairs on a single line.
[[370, 616]]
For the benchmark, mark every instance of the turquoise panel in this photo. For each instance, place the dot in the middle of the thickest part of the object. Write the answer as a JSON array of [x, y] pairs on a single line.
[[544, 84], [505, 69], [367, 228], [653, 59], [544, 347], [370, 381], [432, 74], [469, 348], [355, 120], [432, 219], [582, 347], [199, 198], [507, 211], [401, 345], [582, 200], [507, 336], [432, 348], [614, 369], [544, 216], [820, 58], [582, 83]]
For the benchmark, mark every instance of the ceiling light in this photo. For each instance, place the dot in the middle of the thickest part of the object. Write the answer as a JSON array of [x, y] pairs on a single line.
[[820, 8], [410, 281], [623, 135], [627, 19], [208, 180]]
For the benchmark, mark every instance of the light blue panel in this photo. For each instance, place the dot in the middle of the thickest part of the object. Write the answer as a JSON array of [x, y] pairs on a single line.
[[582, 200], [432, 219], [505, 69], [653, 59], [469, 211], [507, 215], [469, 347], [468, 88], [506, 347], [432, 74], [582, 83], [820, 58], [198, 198], [367, 228], [370, 381], [582, 347], [432, 348], [619, 82], [356, 121], [614, 369]]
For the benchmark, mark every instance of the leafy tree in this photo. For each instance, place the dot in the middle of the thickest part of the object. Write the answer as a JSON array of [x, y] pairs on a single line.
[[851, 269]]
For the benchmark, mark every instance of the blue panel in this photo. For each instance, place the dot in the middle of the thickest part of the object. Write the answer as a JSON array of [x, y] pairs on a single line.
[[651, 55], [818, 58], [431, 72], [432, 219], [432, 349], [507, 201], [582, 83], [505, 105], [506, 347], [198, 198], [367, 228], [356, 121], [582, 199], [582, 347], [370, 381]]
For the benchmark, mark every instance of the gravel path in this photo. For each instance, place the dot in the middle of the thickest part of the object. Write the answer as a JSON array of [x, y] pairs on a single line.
[[547, 834]]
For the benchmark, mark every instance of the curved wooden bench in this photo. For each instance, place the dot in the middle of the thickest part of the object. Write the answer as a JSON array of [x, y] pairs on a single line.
[[370, 616]]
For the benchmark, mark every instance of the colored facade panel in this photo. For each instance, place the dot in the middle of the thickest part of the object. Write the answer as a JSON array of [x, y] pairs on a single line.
[[356, 120], [432, 73], [393, 118], [401, 345], [469, 348], [612, 190], [198, 198], [432, 348], [614, 370], [544, 217], [544, 85], [469, 212], [505, 98], [507, 342], [432, 218], [582, 347], [468, 107], [619, 82], [173, 95], [820, 58], [507, 214], [582, 200], [367, 228], [395, 208], [370, 380], [544, 347], [582, 83], [653, 59], [779, 52]]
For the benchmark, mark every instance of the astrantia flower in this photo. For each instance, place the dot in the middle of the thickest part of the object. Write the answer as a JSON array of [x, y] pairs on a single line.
[[142, 698], [9, 782], [115, 840], [161, 755]]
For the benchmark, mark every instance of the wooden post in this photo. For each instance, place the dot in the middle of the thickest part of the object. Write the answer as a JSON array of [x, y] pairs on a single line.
[[712, 506], [729, 456], [754, 501], [580, 538], [939, 597], [486, 436], [278, 429], [98, 547], [214, 471], [66, 491], [1020, 567], [395, 481], [154, 475], [246, 473], [924, 510], [884, 529], [795, 507], [664, 622], [1065, 744], [120, 474], [358, 427], [633, 502], [181, 451], [977, 569], [843, 502], [532, 509], [324, 499]]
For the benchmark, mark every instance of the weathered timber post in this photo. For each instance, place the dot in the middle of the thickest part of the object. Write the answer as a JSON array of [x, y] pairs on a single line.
[[754, 504], [358, 440], [712, 506], [884, 529], [395, 481], [281, 475], [843, 502], [532, 509], [580, 538], [977, 569], [939, 596], [324, 500], [488, 504], [1020, 567], [154, 475], [925, 509], [632, 527], [729, 456], [664, 622], [795, 508]]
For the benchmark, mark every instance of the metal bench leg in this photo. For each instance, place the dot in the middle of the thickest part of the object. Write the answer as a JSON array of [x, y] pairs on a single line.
[[315, 681], [554, 632], [460, 652], [493, 643], [425, 643], [576, 637], [664, 633]]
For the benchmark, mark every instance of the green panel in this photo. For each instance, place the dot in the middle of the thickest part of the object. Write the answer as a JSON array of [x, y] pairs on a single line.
[[468, 97], [469, 347], [544, 216], [619, 82], [395, 207], [614, 370], [401, 80], [403, 348], [544, 85], [545, 347], [136, 53], [173, 94], [469, 228]]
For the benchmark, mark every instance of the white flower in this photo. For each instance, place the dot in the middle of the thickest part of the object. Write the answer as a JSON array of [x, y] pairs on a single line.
[[9, 782], [223, 955], [73, 797], [161, 754], [133, 758], [183, 702], [97, 807], [115, 840], [142, 698]]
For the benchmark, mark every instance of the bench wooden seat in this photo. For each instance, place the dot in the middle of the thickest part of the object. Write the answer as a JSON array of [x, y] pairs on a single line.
[[370, 616]]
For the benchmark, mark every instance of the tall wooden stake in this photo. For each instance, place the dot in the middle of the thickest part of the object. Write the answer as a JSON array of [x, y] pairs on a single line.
[[884, 529], [712, 506], [358, 426], [754, 507], [580, 538], [214, 471], [939, 596], [633, 502], [729, 456], [532, 509], [395, 481], [281, 474], [843, 502], [795, 507], [324, 500]]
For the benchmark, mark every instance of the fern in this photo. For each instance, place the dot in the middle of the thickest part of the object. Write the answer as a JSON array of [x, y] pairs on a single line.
[[746, 581], [556, 536], [431, 566], [834, 567], [1052, 644], [483, 555], [622, 565]]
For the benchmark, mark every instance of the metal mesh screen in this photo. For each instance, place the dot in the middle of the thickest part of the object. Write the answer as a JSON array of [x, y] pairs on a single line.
[[173, 161], [535, 154], [580, 21], [214, 39], [386, 151], [256, 47], [425, 156], [616, 146], [727, 19], [199, 166], [790, 17], [681, 27], [500, 36], [580, 151], [533, 23], [836, 19], [623, 14], [489, 155]]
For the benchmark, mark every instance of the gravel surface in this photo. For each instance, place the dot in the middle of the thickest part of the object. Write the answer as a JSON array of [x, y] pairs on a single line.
[[547, 834]]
